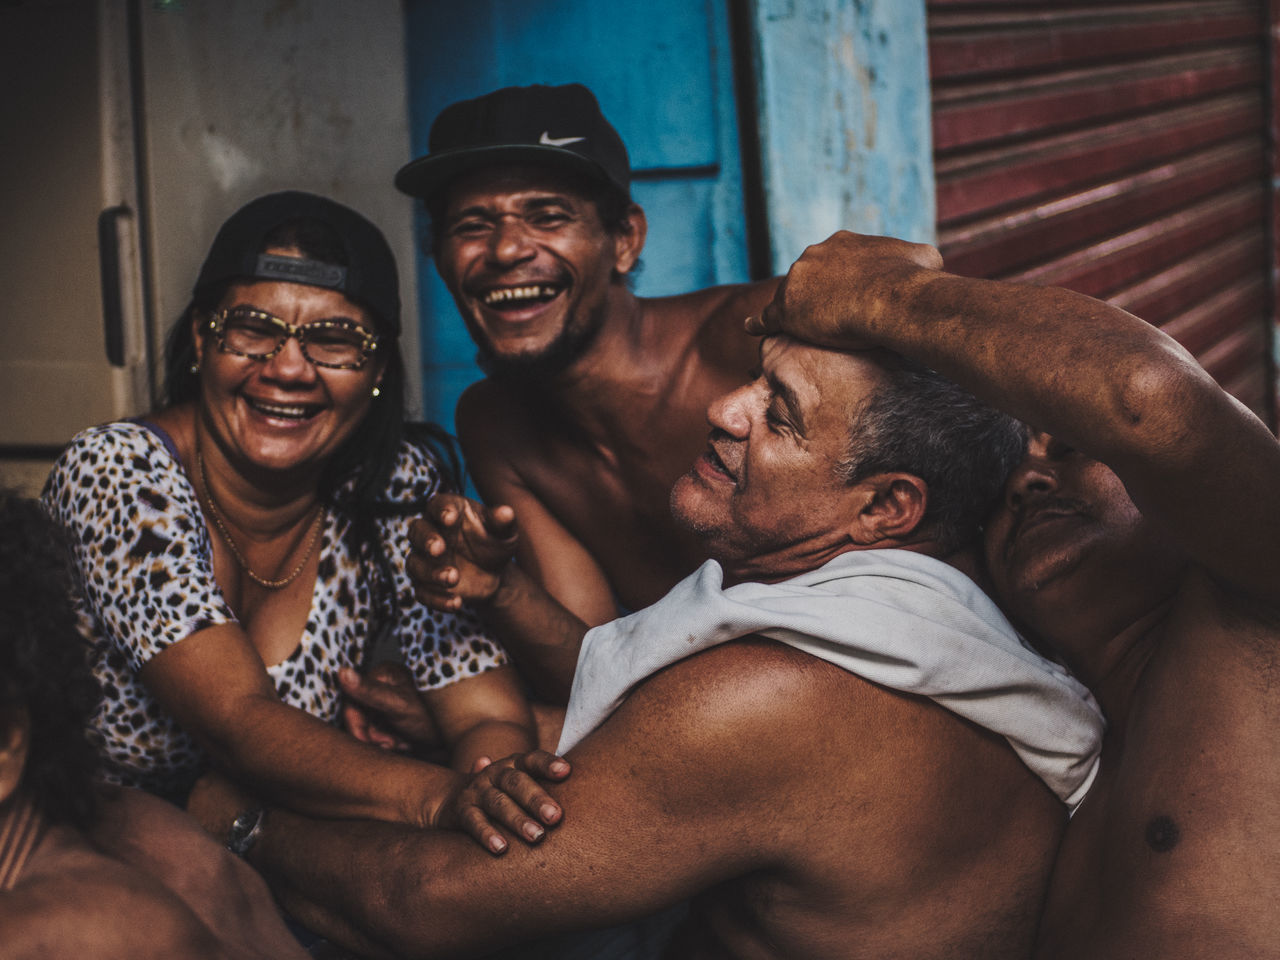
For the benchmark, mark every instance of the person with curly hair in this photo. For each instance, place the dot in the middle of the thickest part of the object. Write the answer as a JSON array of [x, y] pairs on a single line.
[[83, 873]]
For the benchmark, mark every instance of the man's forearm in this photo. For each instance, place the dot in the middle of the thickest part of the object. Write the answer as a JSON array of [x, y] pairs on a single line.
[[319, 871], [319, 770], [1067, 363], [1062, 361], [538, 631]]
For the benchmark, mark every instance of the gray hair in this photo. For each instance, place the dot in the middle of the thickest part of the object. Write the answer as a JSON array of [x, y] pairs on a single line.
[[919, 422]]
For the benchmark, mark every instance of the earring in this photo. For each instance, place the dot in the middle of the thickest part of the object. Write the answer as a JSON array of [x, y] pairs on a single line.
[[377, 392], [195, 366]]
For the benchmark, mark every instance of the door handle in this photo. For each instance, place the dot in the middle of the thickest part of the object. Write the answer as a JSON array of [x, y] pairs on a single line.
[[109, 270]]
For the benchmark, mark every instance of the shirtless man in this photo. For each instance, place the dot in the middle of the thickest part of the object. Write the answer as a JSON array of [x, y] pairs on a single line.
[[809, 812], [121, 875], [595, 399], [1140, 539]]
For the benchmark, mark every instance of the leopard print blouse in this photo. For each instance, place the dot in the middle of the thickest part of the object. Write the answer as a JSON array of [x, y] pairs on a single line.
[[143, 580]]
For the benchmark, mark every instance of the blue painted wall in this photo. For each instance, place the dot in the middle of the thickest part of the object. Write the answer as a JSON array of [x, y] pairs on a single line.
[[843, 113], [662, 72], [844, 117]]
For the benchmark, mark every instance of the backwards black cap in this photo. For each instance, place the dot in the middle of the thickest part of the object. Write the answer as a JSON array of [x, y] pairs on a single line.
[[368, 278], [562, 126]]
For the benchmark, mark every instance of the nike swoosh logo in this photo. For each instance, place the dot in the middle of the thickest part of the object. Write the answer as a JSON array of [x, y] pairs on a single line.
[[547, 140]]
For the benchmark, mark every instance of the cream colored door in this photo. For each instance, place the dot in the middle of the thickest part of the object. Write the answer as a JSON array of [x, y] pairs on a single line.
[[67, 157]]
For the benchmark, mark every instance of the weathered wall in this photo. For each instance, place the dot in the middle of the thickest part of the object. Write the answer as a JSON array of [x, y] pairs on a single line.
[[844, 120]]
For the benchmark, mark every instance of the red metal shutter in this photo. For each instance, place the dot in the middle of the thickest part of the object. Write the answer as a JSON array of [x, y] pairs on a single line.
[[1118, 149]]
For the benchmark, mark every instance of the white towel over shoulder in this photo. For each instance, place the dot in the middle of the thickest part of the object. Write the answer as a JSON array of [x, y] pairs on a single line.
[[897, 618]]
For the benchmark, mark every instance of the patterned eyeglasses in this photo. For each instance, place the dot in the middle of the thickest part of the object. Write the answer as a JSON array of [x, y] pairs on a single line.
[[337, 344]]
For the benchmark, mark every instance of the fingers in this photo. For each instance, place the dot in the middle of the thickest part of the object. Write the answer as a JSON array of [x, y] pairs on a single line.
[[767, 321], [448, 509], [515, 797], [431, 573], [357, 688], [425, 539], [425, 588], [370, 733], [501, 522], [509, 797], [927, 256], [501, 805], [356, 722], [476, 825], [393, 674], [420, 531], [376, 694], [544, 764], [453, 514]]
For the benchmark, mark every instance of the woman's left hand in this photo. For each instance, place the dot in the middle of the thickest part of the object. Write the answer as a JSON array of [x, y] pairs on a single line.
[[506, 793]]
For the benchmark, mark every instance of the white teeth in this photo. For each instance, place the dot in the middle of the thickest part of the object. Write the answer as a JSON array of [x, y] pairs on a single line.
[[507, 294], [276, 410]]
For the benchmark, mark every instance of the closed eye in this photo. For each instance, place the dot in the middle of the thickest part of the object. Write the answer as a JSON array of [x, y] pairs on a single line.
[[548, 219], [471, 227], [775, 421]]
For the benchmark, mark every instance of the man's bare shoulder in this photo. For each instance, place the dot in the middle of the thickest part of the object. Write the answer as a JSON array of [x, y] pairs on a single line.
[[713, 304], [89, 906], [795, 710], [842, 793], [715, 316]]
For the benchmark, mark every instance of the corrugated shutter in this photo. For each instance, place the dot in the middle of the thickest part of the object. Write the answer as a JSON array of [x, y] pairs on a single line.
[[1121, 150]]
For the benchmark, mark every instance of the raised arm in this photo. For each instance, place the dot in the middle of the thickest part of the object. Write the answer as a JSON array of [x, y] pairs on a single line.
[[1097, 377], [464, 552], [539, 606]]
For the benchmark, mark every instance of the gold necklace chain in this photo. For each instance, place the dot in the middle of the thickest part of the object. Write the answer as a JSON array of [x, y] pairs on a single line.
[[216, 514]]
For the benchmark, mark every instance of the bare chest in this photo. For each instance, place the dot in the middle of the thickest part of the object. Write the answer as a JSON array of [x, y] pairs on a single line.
[[616, 502], [1177, 843]]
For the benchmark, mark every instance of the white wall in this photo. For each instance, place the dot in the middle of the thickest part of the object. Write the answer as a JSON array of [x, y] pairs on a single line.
[[245, 97]]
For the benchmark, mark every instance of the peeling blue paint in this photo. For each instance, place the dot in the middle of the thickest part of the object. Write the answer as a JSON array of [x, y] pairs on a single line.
[[844, 120]]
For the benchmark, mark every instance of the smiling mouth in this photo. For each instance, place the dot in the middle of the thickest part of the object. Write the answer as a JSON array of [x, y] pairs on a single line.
[[716, 464], [282, 411], [516, 298]]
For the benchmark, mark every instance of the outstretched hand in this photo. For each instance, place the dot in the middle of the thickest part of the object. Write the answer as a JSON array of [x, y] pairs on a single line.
[[506, 793], [459, 550], [830, 296], [382, 707]]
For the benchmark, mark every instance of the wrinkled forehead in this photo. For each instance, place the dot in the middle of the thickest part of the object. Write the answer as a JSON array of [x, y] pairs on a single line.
[[821, 374]]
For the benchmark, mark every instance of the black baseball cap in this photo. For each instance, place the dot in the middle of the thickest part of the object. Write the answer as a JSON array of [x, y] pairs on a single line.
[[560, 126], [368, 278]]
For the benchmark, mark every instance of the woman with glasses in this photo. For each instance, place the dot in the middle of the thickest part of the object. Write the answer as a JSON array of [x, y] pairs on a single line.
[[237, 548]]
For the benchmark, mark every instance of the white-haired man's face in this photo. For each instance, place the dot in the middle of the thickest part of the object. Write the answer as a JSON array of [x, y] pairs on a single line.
[[767, 493]]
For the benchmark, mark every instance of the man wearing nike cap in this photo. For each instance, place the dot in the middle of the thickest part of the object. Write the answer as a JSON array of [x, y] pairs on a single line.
[[595, 398]]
